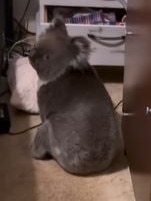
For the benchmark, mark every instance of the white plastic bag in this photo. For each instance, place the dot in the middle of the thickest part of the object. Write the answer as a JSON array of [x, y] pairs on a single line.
[[23, 83]]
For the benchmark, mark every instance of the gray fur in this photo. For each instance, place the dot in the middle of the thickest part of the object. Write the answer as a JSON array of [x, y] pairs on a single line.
[[79, 128]]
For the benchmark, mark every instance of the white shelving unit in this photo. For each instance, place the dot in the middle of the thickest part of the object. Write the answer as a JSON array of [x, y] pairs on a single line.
[[109, 51]]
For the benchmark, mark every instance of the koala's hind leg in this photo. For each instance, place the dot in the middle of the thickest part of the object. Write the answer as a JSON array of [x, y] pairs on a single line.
[[40, 148]]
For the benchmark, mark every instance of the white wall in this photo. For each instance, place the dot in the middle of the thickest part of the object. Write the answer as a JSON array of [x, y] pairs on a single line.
[[18, 9]]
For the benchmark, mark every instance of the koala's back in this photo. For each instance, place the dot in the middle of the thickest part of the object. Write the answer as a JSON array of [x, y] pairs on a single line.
[[80, 111]]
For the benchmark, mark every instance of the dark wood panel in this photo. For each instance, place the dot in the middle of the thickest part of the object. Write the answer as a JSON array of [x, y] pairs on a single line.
[[137, 75], [137, 136], [136, 121]]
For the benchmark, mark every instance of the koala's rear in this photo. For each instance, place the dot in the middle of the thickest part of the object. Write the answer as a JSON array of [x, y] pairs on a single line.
[[79, 128]]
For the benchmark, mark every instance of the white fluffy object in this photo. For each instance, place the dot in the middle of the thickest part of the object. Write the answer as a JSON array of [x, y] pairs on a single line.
[[23, 83]]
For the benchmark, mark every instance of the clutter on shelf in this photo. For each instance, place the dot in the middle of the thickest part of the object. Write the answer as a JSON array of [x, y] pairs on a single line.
[[91, 16], [23, 83], [96, 17]]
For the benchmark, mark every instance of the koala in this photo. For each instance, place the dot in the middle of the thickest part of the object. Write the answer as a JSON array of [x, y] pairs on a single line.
[[79, 128]]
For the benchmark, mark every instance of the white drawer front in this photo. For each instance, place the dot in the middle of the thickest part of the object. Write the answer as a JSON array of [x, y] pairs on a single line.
[[108, 50], [84, 3], [108, 47]]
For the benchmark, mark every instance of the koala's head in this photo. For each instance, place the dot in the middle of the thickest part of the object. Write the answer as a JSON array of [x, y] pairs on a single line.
[[56, 52]]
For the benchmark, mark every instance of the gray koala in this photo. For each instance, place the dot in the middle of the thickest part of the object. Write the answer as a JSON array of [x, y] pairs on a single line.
[[79, 128]]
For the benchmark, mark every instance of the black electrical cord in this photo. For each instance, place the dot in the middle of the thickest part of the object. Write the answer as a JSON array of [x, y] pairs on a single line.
[[118, 104], [22, 27], [25, 11], [96, 74], [23, 16], [33, 127], [24, 131]]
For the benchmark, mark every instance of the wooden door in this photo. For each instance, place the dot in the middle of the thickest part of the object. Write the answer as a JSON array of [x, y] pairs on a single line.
[[137, 97]]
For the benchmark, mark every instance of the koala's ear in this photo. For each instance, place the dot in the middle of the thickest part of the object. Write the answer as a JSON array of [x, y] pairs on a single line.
[[58, 23], [82, 49]]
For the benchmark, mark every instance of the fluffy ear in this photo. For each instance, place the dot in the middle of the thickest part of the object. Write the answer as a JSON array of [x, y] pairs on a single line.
[[57, 27], [58, 23], [82, 50]]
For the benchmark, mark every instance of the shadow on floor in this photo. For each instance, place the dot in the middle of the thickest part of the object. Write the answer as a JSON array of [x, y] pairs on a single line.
[[17, 179], [111, 74]]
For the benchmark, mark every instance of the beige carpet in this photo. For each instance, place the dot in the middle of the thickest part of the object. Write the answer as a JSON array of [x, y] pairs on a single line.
[[25, 179]]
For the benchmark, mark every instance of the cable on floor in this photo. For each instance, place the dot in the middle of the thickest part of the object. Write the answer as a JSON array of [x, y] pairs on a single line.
[[24, 131], [33, 127], [96, 74], [118, 104]]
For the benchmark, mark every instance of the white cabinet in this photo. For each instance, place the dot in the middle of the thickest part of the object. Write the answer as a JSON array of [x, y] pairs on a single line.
[[107, 41]]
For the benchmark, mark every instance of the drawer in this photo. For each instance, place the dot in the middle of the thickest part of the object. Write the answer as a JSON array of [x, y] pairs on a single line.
[[107, 41], [84, 3]]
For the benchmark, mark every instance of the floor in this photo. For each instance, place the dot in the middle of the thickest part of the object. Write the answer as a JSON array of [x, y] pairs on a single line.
[[25, 179]]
